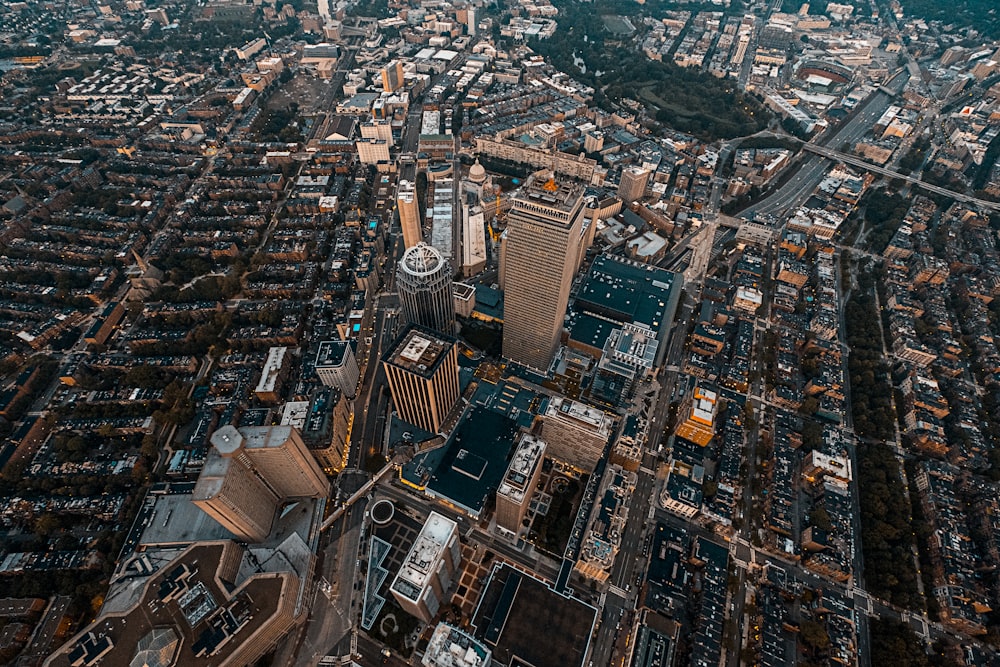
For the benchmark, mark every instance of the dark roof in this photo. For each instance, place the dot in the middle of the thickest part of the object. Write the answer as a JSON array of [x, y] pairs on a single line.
[[475, 459], [520, 618]]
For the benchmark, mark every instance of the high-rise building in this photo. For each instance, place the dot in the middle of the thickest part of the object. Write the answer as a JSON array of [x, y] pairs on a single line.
[[518, 485], [423, 580], [249, 472], [633, 184], [392, 76], [337, 367], [422, 370], [424, 280], [409, 213], [273, 375], [232, 494], [541, 252], [576, 433]]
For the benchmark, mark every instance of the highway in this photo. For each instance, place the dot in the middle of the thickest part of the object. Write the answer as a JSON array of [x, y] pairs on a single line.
[[812, 167], [875, 169]]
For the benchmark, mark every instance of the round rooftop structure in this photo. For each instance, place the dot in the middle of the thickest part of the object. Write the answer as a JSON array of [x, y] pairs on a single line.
[[227, 440], [424, 281], [382, 512], [421, 260], [477, 174]]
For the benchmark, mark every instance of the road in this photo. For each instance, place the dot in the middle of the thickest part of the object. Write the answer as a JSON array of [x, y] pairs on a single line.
[[621, 599], [812, 168], [333, 605], [855, 161]]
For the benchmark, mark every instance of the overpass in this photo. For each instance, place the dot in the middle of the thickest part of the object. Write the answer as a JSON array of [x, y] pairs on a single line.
[[854, 161]]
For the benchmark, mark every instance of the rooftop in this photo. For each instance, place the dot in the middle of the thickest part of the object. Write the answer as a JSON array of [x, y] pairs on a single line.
[[422, 561], [629, 292], [419, 351], [528, 456], [450, 647], [474, 460], [421, 260], [521, 618], [566, 408], [189, 588], [331, 353]]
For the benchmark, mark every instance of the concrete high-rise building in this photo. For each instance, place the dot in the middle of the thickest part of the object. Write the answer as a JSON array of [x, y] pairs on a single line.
[[409, 213], [424, 280], [422, 370], [250, 472], [518, 485], [422, 583], [576, 433], [633, 183], [392, 76], [337, 367], [540, 255], [232, 494]]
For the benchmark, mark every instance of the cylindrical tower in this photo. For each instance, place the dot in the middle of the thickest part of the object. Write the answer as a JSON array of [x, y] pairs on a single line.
[[424, 282]]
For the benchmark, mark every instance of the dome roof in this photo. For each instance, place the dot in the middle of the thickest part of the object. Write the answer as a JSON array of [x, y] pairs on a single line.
[[476, 172], [421, 260]]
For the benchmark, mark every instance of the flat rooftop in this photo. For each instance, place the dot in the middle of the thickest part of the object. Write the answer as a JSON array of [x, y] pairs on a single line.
[[527, 457], [627, 291], [450, 647], [331, 353], [566, 408], [520, 618], [213, 609], [422, 560], [474, 459], [419, 351]]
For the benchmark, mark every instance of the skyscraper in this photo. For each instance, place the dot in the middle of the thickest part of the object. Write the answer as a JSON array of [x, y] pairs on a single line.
[[250, 472], [541, 252], [424, 280], [409, 214], [392, 76], [422, 370], [518, 485], [421, 586], [337, 367], [633, 184]]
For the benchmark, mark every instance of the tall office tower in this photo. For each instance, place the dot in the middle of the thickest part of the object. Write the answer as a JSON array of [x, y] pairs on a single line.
[[250, 472], [541, 251], [337, 367], [236, 497], [424, 280], [423, 580], [633, 184], [392, 76], [409, 214], [422, 369], [518, 484], [576, 433]]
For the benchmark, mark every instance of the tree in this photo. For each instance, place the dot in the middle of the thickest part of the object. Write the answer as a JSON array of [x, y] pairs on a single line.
[[814, 635]]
